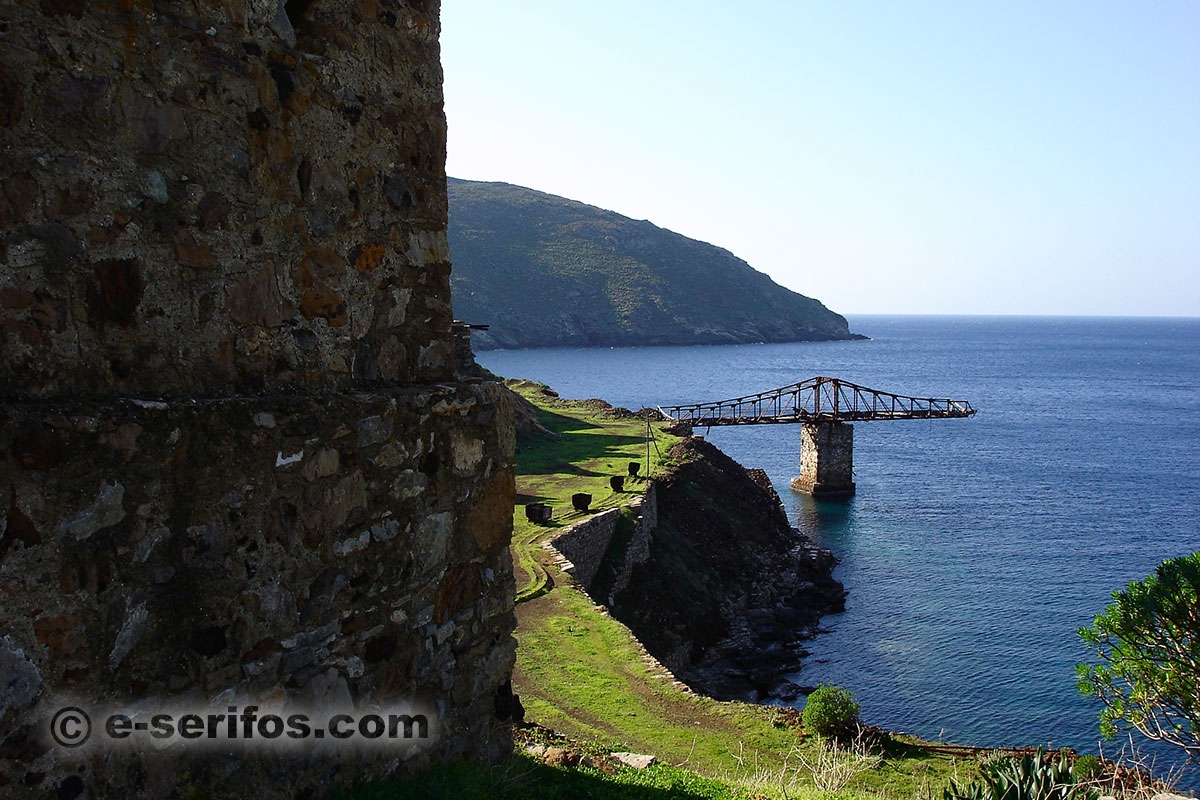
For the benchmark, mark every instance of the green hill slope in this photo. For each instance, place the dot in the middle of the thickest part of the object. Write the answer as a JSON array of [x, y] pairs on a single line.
[[546, 271]]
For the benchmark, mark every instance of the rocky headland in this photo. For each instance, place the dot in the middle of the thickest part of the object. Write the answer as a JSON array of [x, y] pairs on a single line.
[[705, 570], [545, 271], [730, 590]]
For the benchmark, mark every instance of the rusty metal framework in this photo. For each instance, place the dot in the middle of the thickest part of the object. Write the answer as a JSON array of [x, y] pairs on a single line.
[[817, 400]]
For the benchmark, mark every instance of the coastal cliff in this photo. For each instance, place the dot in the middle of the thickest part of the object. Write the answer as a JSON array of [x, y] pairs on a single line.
[[729, 588], [544, 271], [706, 571]]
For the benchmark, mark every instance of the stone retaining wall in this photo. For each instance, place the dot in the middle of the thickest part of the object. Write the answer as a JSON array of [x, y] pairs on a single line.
[[583, 546], [638, 551]]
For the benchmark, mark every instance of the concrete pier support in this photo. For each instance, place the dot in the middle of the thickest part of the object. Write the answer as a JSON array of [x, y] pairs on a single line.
[[826, 460]]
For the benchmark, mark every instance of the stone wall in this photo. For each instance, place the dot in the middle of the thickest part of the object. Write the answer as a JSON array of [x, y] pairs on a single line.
[[236, 464], [584, 546], [223, 196], [638, 549], [327, 549]]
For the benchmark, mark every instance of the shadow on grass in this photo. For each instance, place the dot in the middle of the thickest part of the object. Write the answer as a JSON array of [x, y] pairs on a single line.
[[561, 423], [551, 467], [524, 778], [564, 455]]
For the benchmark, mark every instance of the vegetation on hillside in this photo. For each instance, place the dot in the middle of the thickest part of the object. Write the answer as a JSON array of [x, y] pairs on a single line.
[[545, 271], [1034, 776]]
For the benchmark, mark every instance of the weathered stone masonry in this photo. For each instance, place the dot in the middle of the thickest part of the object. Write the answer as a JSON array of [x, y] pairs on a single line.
[[826, 459], [191, 205], [582, 548], [236, 461]]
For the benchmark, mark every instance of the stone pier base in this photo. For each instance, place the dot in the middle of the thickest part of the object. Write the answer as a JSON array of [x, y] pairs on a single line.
[[826, 460]]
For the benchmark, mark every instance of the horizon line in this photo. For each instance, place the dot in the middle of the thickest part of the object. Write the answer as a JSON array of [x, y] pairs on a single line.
[[1070, 315]]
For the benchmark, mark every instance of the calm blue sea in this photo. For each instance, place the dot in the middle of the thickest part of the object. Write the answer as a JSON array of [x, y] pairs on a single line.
[[974, 548]]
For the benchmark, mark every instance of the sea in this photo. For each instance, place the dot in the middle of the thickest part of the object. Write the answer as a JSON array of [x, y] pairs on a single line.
[[974, 548]]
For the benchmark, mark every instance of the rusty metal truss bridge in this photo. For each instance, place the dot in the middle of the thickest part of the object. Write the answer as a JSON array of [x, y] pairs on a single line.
[[817, 400]]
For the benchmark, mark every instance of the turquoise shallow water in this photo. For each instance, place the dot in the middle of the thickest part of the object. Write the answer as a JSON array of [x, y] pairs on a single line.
[[974, 548]]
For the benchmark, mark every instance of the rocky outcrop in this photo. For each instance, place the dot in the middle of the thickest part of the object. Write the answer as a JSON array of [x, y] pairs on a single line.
[[729, 591], [236, 464], [544, 271]]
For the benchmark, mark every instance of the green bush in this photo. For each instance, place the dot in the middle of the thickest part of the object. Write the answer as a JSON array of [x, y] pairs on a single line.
[[1147, 643], [1087, 768], [1032, 777], [831, 711]]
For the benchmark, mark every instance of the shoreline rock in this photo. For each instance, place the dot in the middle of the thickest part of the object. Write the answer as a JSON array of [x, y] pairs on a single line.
[[490, 344], [730, 590]]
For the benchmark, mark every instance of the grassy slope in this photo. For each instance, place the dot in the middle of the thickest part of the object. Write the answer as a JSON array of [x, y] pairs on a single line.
[[588, 450], [544, 271], [583, 674]]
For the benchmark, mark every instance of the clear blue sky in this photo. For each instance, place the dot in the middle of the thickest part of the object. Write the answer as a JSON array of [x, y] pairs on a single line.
[[884, 157]]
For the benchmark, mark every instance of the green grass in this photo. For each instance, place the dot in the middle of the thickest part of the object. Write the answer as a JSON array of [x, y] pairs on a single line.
[[587, 449], [582, 673]]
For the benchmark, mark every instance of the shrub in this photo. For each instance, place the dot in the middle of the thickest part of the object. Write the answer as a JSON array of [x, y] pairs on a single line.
[[1033, 777], [831, 711], [1148, 645], [1087, 768], [992, 758], [833, 767]]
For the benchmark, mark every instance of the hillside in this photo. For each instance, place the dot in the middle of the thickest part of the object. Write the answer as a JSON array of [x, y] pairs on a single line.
[[546, 271]]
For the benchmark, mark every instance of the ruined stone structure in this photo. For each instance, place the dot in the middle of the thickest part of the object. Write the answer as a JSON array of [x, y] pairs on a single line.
[[826, 459], [237, 463], [465, 365], [585, 546]]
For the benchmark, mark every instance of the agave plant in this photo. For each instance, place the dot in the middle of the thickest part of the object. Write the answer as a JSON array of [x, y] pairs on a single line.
[[1036, 776]]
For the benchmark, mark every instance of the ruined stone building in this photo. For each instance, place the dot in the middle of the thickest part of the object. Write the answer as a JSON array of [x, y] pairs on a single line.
[[235, 462]]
